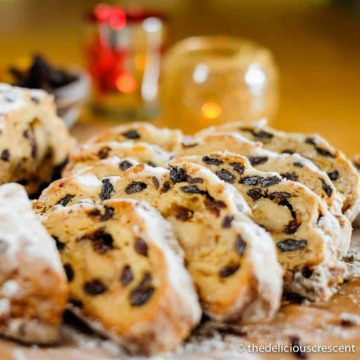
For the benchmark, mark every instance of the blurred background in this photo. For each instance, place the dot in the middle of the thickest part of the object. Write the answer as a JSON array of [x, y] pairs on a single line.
[[315, 44]]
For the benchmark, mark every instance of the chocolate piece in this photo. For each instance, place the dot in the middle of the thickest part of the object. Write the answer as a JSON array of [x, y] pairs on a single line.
[[106, 189], [69, 272], [228, 270], [255, 193], [326, 187], [126, 276], [124, 165], [227, 222], [131, 134], [65, 200], [135, 187], [226, 176], [5, 155], [211, 160], [183, 214], [240, 245], [141, 246], [291, 245], [257, 160], [95, 287]]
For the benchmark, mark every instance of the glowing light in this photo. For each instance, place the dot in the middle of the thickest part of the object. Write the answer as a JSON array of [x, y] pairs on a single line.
[[126, 83], [102, 12], [117, 18], [211, 110], [256, 78], [152, 24], [201, 73]]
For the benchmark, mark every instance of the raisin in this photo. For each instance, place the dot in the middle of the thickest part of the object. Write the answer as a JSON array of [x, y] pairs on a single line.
[[250, 180], [226, 176], [59, 245], [124, 165], [298, 164], [291, 245], [214, 205], [292, 176], [281, 195], [191, 189], [69, 272], [35, 100], [94, 213], [326, 188], [192, 180], [141, 247], [296, 348], [238, 167], [126, 276], [257, 160], [155, 182], [255, 193], [3, 246], [272, 180], [103, 153], [166, 187], [150, 163], [65, 200], [324, 152], [108, 213], [143, 292], [177, 175], [228, 270], [307, 273], [211, 160], [261, 134], [106, 189], [240, 245], [334, 175], [135, 187], [131, 134], [288, 151], [76, 302], [102, 241], [227, 222], [188, 145], [184, 214], [310, 141], [95, 287], [5, 155], [291, 227]]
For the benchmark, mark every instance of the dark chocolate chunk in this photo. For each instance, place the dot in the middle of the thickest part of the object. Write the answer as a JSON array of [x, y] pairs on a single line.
[[5, 155], [227, 222], [292, 176], [143, 292], [69, 272], [257, 160], [131, 134], [291, 227], [141, 246], [255, 193], [155, 182], [250, 180], [240, 245], [177, 174], [298, 164], [212, 160], [334, 175], [106, 190], [326, 187], [135, 187], [238, 167], [59, 245], [226, 176], [102, 241], [95, 287], [191, 189], [228, 270], [3, 246], [214, 205], [124, 165], [310, 141], [324, 152], [166, 187], [183, 214], [291, 245], [269, 181], [103, 153], [126, 276], [297, 349], [65, 200], [281, 195]]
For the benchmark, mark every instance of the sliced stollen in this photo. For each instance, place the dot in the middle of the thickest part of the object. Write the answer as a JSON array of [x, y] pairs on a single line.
[[126, 273], [167, 139], [234, 267], [356, 162], [33, 288], [34, 142], [87, 154], [332, 161], [306, 234]]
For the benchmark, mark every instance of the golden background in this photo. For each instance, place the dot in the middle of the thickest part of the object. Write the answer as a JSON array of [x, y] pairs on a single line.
[[316, 45]]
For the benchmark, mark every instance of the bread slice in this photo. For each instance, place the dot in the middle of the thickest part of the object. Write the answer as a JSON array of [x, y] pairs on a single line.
[[167, 139], [126, 273], [306, 234], [88, 154], [232, 260], [313, 147], [356, 162], [34, 142], [33, 288]]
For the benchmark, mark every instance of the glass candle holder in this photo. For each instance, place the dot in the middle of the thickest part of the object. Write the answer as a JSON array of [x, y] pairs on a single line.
[[210, 80]]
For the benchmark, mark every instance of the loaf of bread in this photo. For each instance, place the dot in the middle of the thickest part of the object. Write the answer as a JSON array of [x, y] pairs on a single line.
[[338, 168], [88, 154], [34, 142], [232, 260], [167, 139], [126, 273], [307, 236], [33, 287]]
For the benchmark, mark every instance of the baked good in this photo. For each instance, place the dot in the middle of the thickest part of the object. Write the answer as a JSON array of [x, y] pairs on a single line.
[[291, 166], [126, 273], [232, 260], [167, 139], [356, 162], [87, 154], [306, 234], [339, 169], [33, 287], [34, 142]]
